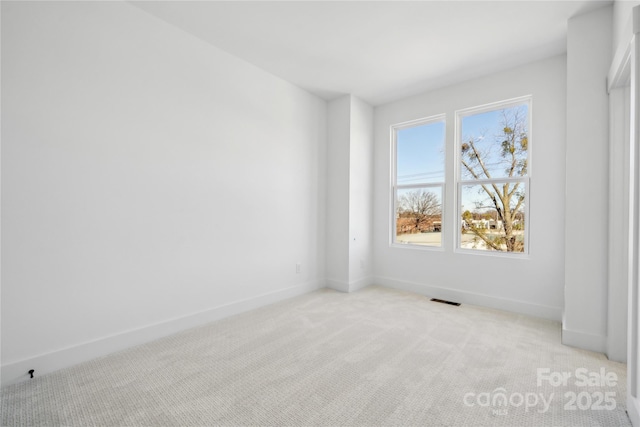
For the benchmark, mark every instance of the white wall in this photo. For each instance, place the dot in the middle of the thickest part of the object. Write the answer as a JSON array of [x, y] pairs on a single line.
[[618, 218], [338, 155], [349, 193], [587, 170], [532, 284], [361, 195], [150, 182], [622, 19]]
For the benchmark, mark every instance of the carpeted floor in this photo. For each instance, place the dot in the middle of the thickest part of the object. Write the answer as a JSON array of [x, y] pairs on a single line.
[[373, 357]]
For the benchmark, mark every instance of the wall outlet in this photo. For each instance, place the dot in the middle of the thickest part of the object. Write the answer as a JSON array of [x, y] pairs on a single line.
[[298, 268]]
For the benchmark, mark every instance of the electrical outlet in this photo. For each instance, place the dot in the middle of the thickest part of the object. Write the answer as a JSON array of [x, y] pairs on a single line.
[[298, 268]]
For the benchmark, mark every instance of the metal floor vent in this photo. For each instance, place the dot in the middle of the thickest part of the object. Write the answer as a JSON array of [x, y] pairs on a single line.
[[445, 302]]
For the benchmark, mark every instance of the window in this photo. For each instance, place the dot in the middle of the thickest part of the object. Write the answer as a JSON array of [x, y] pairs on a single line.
[[493, 150], [492, 171], [418, 182]]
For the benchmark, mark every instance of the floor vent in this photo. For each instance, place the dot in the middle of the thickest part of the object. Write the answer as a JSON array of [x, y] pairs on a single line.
[[445, 302]]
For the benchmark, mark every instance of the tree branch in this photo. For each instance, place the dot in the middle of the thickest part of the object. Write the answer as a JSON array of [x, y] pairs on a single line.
[[480, 162], [488, 241]]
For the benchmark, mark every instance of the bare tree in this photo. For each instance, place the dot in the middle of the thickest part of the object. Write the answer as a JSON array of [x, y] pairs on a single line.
[[421, 207], [482, 159]]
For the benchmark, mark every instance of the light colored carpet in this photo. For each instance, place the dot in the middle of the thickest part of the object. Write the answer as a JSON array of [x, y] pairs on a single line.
[[374, 357]]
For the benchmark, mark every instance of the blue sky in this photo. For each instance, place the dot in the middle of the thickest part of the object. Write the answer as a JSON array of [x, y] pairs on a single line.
[[421, 151], [484, 128], [420, 154]]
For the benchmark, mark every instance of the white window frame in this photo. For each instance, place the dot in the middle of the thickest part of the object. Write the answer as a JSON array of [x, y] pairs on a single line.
[[459, 182], [395, 187]]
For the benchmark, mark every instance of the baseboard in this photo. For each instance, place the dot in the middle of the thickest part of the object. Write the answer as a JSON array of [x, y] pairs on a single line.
[[584, 340], [15, 372], [466, 297], [616, 353], [337, 285], [342, 286], [633, 411], [360, 283]]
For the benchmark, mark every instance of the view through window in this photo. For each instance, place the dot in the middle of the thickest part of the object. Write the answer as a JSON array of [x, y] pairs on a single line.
[[492, 179], [494, 151], [419, 182]]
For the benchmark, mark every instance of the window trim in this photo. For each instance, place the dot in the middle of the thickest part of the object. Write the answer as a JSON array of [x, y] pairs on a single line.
[[459, 182], [394, 187]]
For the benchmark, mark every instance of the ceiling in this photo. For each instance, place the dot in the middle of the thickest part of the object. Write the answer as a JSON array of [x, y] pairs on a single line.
[[379, 51]]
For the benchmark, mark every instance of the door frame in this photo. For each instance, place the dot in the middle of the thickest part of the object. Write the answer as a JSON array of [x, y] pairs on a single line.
[[623, 86]]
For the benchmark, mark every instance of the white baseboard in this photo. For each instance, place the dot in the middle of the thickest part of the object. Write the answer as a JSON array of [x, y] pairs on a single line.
[[616, 349], [43, 364], [337, 285], [360, 283], [342, 286], [466, 297], [584, 340], [633, 411]]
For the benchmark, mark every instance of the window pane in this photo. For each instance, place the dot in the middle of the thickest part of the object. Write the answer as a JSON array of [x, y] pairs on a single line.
[[419, 216], [493, 217], [495, 143], [420, 154]]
